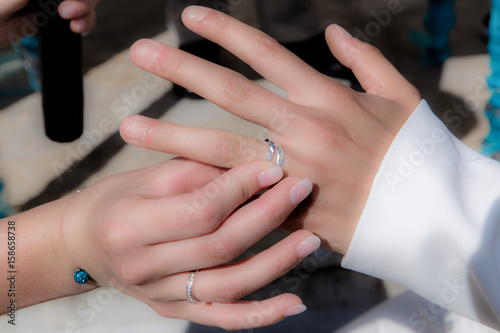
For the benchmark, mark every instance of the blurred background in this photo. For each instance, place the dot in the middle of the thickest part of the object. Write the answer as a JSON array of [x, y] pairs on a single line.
[[33, 169]]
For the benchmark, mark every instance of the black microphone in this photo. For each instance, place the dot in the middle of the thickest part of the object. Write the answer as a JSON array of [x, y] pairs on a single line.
[[61, 74]]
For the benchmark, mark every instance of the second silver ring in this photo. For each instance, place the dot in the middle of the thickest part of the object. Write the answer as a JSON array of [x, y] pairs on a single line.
[[275, 154], [189, 287]]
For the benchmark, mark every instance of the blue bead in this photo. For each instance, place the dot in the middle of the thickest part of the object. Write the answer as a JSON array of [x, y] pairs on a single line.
[[81, 276]]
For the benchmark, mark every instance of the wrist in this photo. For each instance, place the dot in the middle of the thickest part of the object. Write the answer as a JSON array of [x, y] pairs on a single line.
[[44, 270]]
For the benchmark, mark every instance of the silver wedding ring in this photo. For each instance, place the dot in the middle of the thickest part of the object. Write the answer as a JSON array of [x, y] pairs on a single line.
[[189, 287], [275, 154], [81, 188]]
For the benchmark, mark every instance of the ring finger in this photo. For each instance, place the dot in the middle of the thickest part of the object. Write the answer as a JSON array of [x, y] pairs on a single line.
[[234, 316], [229, 283]]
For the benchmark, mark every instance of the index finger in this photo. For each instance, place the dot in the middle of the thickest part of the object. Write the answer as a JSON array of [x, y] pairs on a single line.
[[204, 209]]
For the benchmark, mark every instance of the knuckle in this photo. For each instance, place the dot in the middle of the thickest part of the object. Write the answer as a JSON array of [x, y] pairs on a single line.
[[267, 48], [171, 63], [200, 213], [242, 189], [156, 134], [229, 148], [118, 238], [218, 25], [207, 219], [244, 192], [366, 47], [221, 249], [364, 51], [236, 89], [332, 128], [228, 291], [361, 46], [129, 273]]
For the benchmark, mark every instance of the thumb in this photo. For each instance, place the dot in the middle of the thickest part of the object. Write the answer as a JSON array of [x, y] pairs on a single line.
[[373, 71]]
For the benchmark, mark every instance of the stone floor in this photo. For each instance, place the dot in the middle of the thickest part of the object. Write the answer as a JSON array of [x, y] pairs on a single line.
[[35, 169]]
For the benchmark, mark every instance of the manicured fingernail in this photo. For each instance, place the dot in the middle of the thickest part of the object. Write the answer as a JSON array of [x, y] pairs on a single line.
[[308, 246], [270, 176], [300, 191], [136, 130], [147, 51], [196, 13], [295, 310], [342, 31]]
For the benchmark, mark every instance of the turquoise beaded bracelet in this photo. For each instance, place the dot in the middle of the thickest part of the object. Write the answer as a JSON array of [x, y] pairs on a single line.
[[81, 276]]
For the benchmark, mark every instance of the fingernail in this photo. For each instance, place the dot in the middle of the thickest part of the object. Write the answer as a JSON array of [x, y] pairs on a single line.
[[270, 176], [342, 31], [65, 12], [308, 246], [295, 310], [196, 13], [147, 51], [136, 130], [78, 26], [300, 191]]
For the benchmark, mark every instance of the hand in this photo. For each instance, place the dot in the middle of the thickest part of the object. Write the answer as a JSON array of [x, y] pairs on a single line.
[[330, 134], [80, 12], [15, 16], [141, 232]]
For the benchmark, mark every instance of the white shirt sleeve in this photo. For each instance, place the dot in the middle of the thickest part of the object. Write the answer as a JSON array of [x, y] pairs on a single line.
[[432, 221], [409, 313]]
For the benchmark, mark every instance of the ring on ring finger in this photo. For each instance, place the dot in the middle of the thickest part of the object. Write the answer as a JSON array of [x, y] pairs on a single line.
[[275, 154], [189, 287]]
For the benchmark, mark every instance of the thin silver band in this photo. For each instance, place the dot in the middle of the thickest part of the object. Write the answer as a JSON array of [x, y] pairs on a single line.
[[189, 287], [81, 188], [270, 152], [280, 155], [280, 159]]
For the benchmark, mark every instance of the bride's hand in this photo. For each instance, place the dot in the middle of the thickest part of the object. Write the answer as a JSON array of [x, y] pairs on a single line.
[[143, 232]]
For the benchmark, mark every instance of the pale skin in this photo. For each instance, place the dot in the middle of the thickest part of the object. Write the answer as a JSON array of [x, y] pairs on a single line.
[[13, 16], [143, 231], [332, 134]]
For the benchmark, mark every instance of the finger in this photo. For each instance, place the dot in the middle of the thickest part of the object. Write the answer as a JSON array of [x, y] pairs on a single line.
[[229, 283], [177, 176], [73, 9], [215, 147], [234, 316], [374, 72], [242, 229], [83, 24], [203, 210], [254, 47], [225, 88]]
